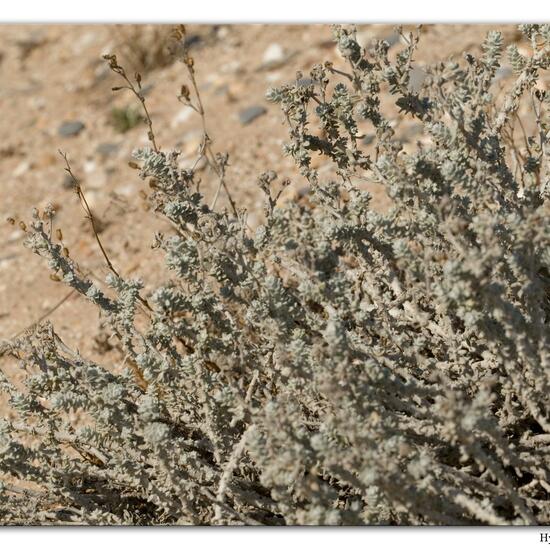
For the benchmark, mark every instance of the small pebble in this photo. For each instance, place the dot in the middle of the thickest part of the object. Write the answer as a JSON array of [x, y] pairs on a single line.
[[232, 67], [185, 114], [274, 56], [107, 149], [89, 166], [72, 128], [246, 116], [126, 190], [21, 168]]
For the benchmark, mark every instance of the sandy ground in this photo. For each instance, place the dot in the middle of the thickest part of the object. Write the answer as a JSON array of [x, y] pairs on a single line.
[[53, 74]]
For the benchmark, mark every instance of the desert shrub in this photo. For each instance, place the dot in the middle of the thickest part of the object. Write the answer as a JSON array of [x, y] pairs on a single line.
[[143, 47], [149, 47], [124, 119], [338, 365]]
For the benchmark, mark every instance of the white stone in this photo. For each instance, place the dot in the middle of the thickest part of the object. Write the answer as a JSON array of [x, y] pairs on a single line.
[[127, 190], [89, 166], [182, 116], [21, 168], [273, 55], [272, 77], [232, 67]]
